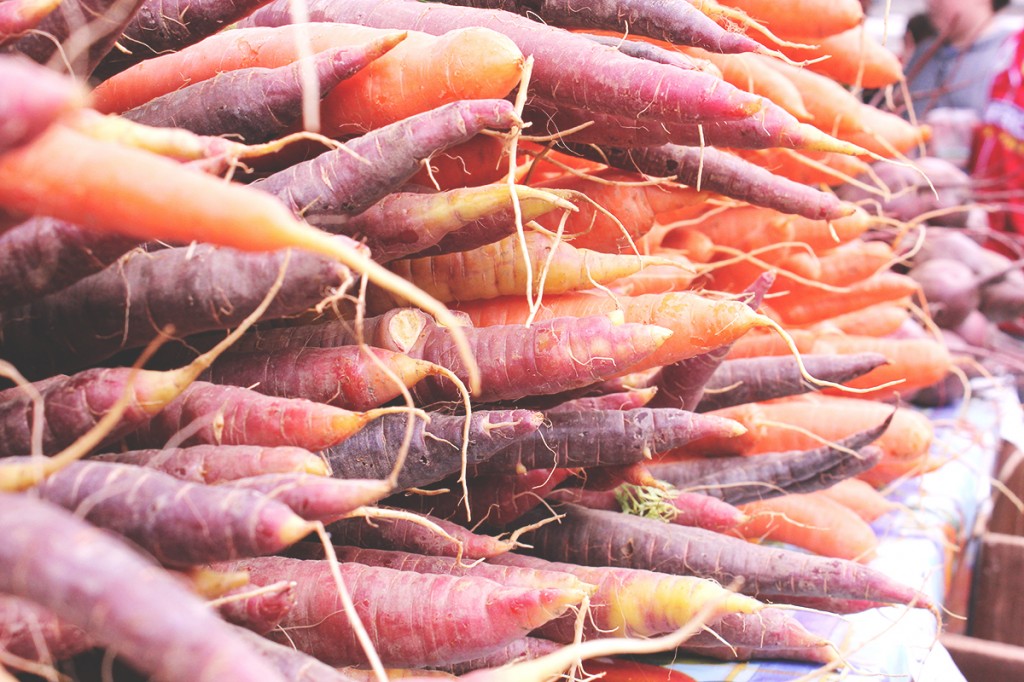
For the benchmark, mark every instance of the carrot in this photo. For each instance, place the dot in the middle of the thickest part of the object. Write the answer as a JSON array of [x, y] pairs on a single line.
[[43, 255], [165, 26], [312, 497], [749, 73], [716, 171], [258, 612], [407, 223], [855, 57], [643, 49], [917, 362], [746, 228], [525, 649], [693, 244], [854, 261], [859, 497], [169, 524], [876, 320], [684, 508], [624, 400], [769, 633], [889, 135], [500, 269], [290, 662], [761, 476], [220, 52], [833, 108], [33, 633], [345, 376], [17, 17], [750, 380], [71, 38], [603, 439], [806, 167], [62, 563], [603, 538], [384, 600], [37, 97], [678, 274], [434, 450], [425, 73], [817, 524], [233, 415], [636, 85], [407, 535], [803, 304], [218, 463], [348, 180], [698, 323], [264, 103], [478, 161], [803, 18], [759, 343], [122, 307]]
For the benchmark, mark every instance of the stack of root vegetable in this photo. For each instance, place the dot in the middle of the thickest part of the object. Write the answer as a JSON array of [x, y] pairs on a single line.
[[514, 308]]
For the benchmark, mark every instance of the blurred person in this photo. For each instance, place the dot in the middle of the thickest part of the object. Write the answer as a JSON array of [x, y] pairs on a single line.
[[919, 29]]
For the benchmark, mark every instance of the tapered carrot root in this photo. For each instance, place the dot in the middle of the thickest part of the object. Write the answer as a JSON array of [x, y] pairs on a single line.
[[806, 304], [218, 463], [60, 562], [803, 18], [19, 16], [769, 633], [748, 72], [425, 73], [822, 526], [384, 601], [685, 508], [637, 86], [314, 497], [634, 603], [860, 497], [349, 180], [915, 363], [698, 323], [629, 399], [258, 612], [407, 223], [36, 98], [169, 525], [434, 451], [265, 103], [116, 309], [499, 269], [34, 633], [603, 538], [345, 376]]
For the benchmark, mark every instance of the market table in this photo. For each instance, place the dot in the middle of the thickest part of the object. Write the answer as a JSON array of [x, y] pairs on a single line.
[[923, 544]]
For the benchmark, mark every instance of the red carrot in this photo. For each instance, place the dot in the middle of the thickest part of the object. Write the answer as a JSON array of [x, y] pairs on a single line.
[[34, 633], [219, 463], [314, 497], [258, 611], [36, 97], [169, 518], [469, 616], [62, 563]]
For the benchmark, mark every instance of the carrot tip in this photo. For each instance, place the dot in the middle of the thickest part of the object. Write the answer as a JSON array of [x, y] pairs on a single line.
[[294, 528], [316, 467]]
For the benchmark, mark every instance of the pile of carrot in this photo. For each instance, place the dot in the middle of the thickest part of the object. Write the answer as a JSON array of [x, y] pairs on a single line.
[[430, 337]]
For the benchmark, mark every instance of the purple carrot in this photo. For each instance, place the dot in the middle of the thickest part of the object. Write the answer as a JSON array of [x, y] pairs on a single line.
[[34, 97], [624, 400], [435, 450], [602, 538], [738, 479], [195, 289], [233, 415], [94, 581], [686, 509], [314, 497], [467, 616], [721, 172], [345, 376], [347, 181], [291, 663], [550, 356], [176, 522], [681, 384], [427, 223], [409, 536], [769, 633], [606, 438], [256, 104], [524, 649], [18, 17], [258, 611], [78, 34], [567, 67], [162, 26], [34, 633], [43, 255], [650, 51], [679, 23], [218, 463], [751, 380]]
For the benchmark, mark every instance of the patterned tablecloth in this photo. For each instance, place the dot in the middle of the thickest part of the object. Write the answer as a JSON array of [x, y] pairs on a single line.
[[920, 544]]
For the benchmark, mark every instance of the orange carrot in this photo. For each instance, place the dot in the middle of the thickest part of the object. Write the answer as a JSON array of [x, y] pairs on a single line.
[[765, 343], [467, 63], [808, 167], [917, 362], [699, 323], [658, 279], [805, 304], [876, 320], [854, 261], [859, 497], [751, 227], [887, 134], [833, 108], [225, 51], [803, 19], [748, 72], [477, 161], [810, 521], [855, 57], [694, 244]]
